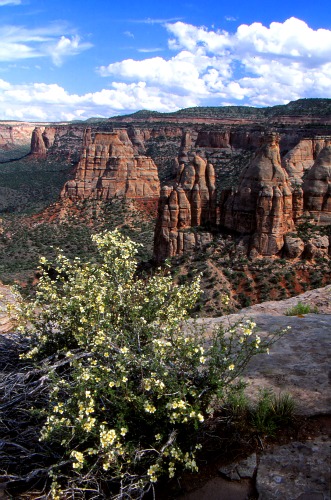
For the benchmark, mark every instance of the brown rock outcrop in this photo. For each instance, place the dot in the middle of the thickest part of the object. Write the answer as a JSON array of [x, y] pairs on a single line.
[[317, 247], [263, 203], [293, 246], [48, 136], [190, 203], [41, 140], [15, 134], [317, 188], [38, 147], [302, 157], [109, 168]]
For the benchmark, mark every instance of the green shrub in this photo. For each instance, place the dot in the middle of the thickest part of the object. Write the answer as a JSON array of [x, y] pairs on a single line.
[[130, 380], [300, 309]]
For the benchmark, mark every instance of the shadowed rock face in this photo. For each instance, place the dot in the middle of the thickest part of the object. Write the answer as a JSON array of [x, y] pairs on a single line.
[[317, 187], [108, 167], [190, 203], [263, 203]]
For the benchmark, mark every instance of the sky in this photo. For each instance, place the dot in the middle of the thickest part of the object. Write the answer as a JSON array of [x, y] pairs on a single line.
[[76, 59]]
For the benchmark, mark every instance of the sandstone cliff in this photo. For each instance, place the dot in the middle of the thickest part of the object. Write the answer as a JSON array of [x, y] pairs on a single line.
[[301, 158], [38, 146], [15, 134], [264, 209], [189, 204], [317, 188], [109, 168], [262, 206], [63, 141]]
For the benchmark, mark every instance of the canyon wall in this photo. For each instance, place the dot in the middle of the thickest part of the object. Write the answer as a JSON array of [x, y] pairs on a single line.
[[317, 187], [109, 168], [219, 167], [15, 134], [262, 206], [190, 203], [265, 208]]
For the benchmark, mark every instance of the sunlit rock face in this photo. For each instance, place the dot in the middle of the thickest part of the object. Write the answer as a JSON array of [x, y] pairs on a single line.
[[108, 167], [263, 203], [190, 203], [317, 188], [302, 157]]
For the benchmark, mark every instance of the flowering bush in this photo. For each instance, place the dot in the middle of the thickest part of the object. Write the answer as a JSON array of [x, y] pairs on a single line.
[[134, 380]]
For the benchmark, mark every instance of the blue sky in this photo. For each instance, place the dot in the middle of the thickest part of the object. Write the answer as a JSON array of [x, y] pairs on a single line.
[[73, 59]]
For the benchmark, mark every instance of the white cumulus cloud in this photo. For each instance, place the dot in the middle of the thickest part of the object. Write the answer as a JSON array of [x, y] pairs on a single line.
[[254, 65], [19, 42], [51, 102]]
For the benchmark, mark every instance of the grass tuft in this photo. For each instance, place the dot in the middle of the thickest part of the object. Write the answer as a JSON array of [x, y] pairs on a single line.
[[300, 308]]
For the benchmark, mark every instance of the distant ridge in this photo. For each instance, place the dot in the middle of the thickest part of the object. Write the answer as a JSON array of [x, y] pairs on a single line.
[[301, 107], [310, 107]]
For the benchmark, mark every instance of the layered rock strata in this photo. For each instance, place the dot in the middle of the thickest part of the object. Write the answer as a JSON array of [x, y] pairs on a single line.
[[109, 168], [15, 134], [187, 205], [317, 188], [302, 157], [263, 203], [38, 146], [44, 138]]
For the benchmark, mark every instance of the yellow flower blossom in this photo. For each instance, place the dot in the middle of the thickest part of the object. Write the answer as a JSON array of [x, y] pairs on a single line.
[[149, 408]]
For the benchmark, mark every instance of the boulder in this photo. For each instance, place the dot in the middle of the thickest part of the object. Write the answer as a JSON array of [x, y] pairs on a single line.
[[317, 247], [293, 246]]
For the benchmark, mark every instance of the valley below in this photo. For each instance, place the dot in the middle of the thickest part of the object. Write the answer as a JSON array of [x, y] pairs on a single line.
[[239, 196]]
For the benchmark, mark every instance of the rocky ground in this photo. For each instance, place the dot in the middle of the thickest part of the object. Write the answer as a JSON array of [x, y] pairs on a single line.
[[298, 364]]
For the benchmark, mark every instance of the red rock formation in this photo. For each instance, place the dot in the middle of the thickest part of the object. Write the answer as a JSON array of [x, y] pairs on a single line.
[[108, 168], [15, 134], [38, 147], [263, 203], [317, 188], [48, 136], [190, 203], [41, 140], [302, 157]]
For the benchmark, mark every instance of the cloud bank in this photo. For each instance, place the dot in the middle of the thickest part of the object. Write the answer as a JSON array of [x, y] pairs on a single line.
[[256, 65]]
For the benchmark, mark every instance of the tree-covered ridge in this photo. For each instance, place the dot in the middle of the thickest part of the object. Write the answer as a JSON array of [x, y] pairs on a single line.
[[301, 107]]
